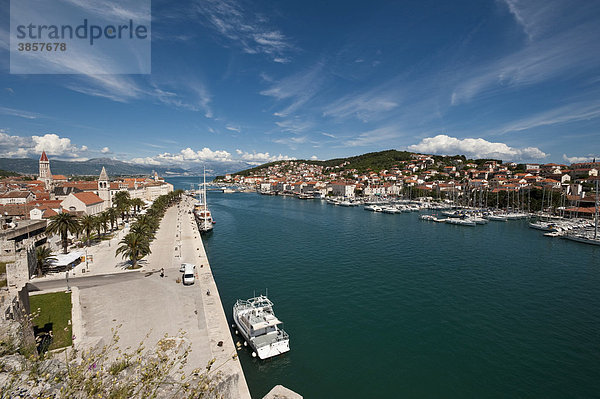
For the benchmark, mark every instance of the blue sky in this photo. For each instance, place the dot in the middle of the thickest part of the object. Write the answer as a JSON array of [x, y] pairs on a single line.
[[260, 81]]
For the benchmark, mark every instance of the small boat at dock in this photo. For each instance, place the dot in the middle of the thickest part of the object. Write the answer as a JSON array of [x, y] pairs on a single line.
[[260, 328]]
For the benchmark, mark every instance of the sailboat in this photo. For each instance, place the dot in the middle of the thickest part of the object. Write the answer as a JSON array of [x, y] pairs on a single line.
[[203, 216], [588, 237]]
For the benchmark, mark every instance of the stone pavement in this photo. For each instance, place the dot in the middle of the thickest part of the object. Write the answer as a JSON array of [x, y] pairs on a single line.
[[146, 307]]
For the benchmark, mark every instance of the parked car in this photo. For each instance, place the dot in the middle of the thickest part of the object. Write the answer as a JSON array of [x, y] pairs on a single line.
[[188, 274]]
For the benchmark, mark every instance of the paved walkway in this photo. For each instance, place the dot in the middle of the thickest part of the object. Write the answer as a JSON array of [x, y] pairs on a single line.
[[154, 305]]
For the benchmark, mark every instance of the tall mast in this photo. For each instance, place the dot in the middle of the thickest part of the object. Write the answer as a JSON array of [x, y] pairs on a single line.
[[596, 225], [204, 190]]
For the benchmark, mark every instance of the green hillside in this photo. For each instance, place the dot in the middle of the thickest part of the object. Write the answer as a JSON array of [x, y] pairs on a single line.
[[374, 161]]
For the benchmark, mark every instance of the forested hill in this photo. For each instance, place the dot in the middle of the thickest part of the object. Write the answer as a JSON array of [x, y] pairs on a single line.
[[374, 161]]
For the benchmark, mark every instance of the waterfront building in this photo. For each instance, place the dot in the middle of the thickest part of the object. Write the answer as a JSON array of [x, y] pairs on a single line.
[[342, 189]]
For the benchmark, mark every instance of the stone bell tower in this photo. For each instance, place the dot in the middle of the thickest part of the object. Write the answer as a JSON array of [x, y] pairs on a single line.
[[45, 175], [104, 188]]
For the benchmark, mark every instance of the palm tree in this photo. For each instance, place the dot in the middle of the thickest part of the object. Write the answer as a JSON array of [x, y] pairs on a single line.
[[43, 257], [112, 216], [63, 224], [88, 223], [98, 223], [103, 219], [134, 246], [148, 220], [137, 204], [122, 201]]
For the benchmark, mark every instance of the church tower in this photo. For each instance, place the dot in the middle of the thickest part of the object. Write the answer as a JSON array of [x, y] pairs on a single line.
[[104, 188], [45, 175]]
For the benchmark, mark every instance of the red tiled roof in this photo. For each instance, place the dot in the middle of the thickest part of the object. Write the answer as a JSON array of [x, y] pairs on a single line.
[[16, 194], [49, 203], [44, 157], [88, 198]]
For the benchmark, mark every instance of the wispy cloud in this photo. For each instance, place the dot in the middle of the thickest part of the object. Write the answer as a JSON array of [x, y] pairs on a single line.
[[110, 9], [294, 125], [387, 134], [19, 113], [475, 148], [191, 95], [233, 128], [555, 49], [561, 115], [292, 142], [363, 106], [251, 31], [297, 89]]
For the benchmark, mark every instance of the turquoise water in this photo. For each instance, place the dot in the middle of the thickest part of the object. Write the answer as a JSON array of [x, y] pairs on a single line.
[[381, 306]]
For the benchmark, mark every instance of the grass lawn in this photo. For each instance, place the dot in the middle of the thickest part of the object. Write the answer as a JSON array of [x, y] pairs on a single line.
[[54, 314]]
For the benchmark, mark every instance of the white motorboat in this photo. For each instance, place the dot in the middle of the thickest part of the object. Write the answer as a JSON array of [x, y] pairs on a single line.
[[257, 323], [373, 208], [390, 209]]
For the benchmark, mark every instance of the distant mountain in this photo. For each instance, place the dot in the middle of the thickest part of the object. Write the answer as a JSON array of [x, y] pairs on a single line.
[[5, 173], [89, 167], [219, 168]]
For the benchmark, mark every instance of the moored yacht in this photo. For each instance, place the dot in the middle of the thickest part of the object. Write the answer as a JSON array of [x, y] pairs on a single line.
[[257, 323], [203, 216]]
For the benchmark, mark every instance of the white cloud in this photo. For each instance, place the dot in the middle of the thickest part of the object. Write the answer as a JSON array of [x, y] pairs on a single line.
[[146, 161], [260, 157], [314, 158], [578, 159], [54, 145], [475, 148], [105, 150], [189, 155]]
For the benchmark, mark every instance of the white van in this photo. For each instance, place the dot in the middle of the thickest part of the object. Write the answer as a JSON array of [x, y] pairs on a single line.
[[188, 274]]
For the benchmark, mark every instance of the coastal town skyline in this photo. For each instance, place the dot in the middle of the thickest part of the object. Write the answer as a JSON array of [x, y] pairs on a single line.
[[234, 81]]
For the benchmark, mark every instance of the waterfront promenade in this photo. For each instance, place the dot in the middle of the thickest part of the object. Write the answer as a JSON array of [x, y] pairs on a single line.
[[140, 303]]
